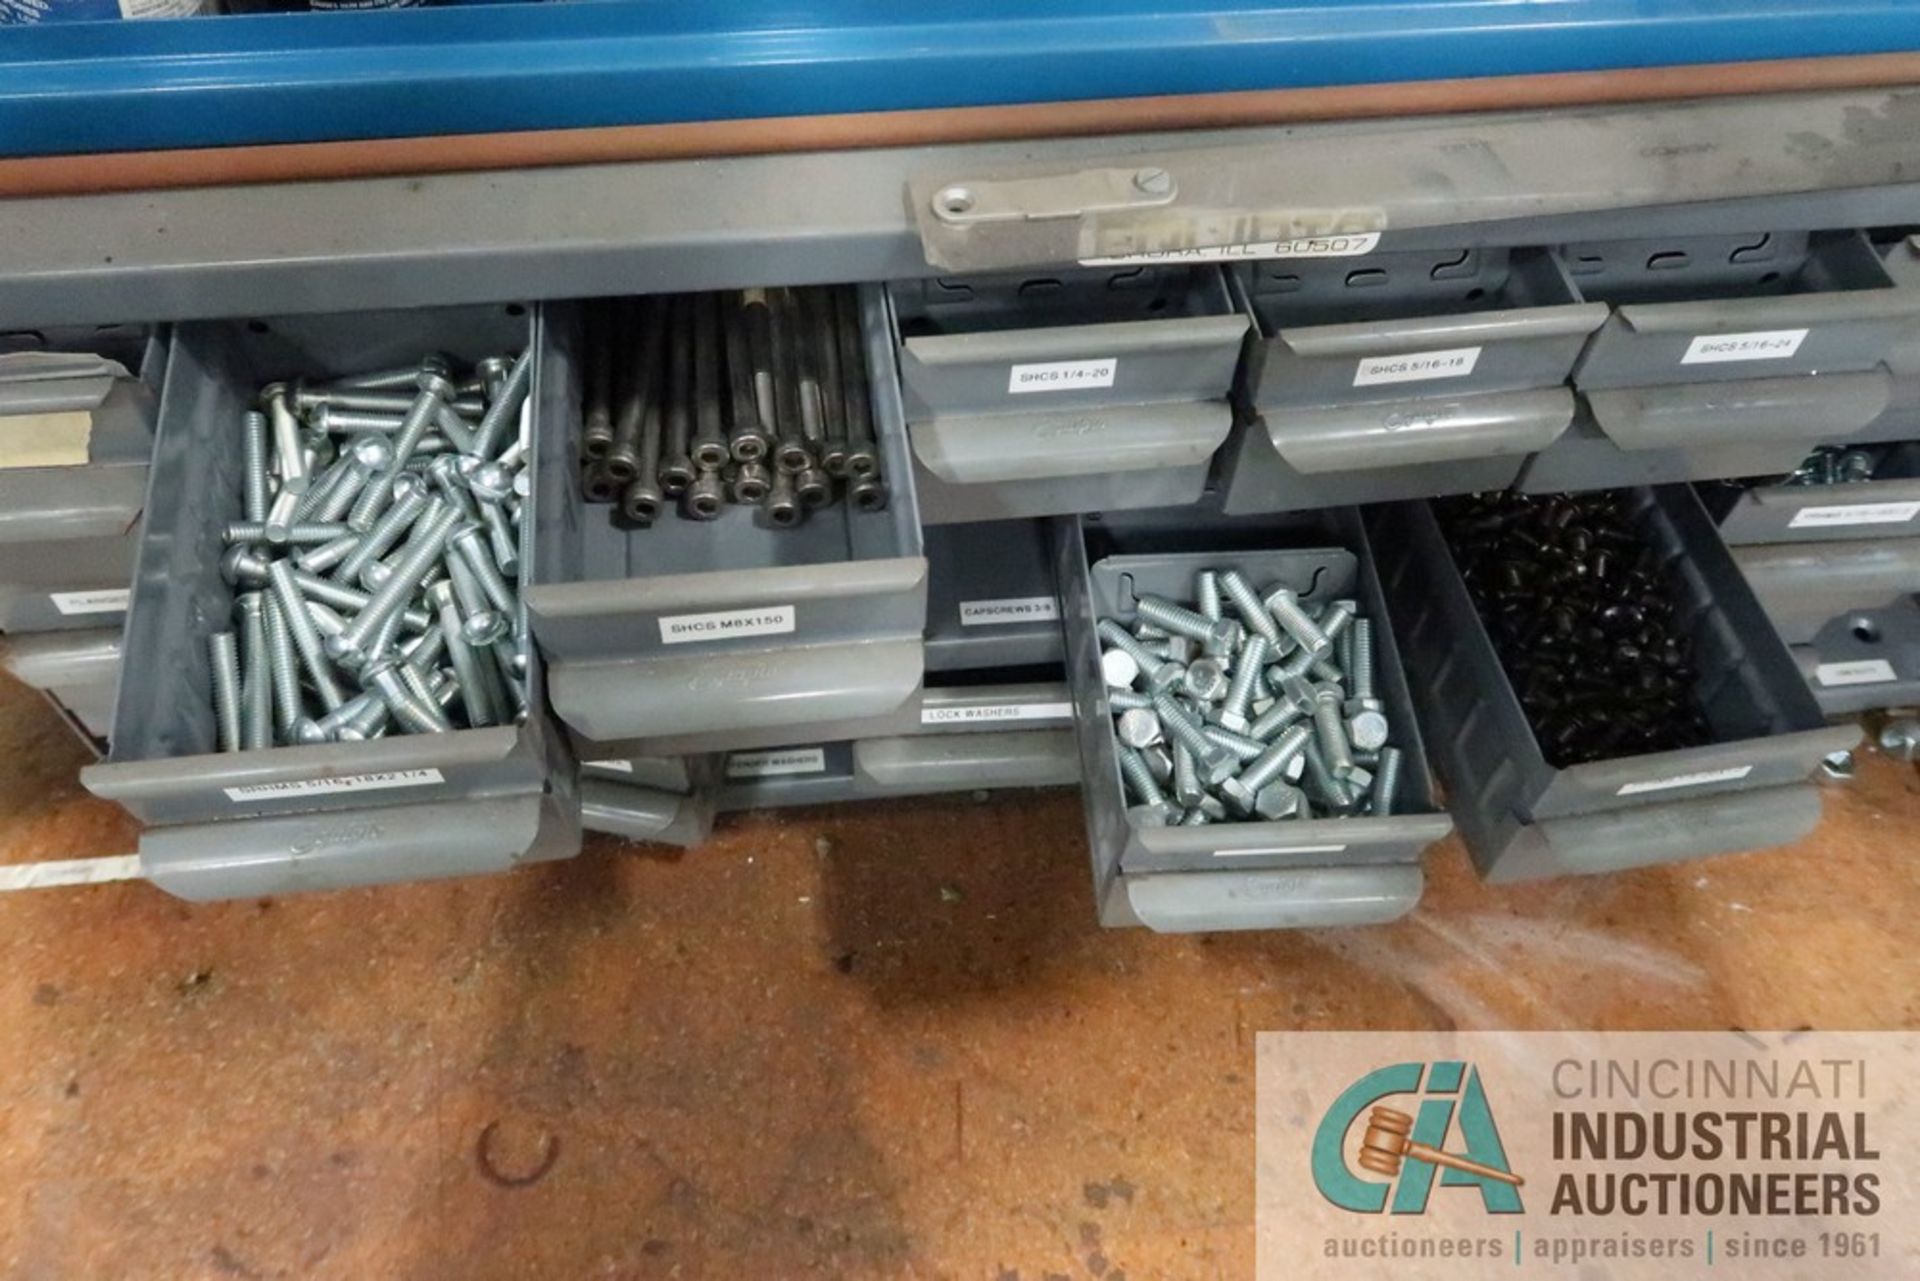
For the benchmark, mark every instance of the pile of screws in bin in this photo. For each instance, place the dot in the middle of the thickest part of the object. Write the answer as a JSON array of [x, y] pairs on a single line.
[[1580, 609], [758, 398], [1249, 707], [377, 563]]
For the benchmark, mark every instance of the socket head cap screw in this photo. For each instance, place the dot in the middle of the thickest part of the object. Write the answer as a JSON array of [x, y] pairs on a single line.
[[1139, 728]]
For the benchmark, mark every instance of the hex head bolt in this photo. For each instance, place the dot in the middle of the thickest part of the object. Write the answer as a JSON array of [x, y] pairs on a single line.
[[503, 410], [1153, 809], [410, 500], [1159, 674], [1336, 618], [1243, 790], [1206, 593], [1243, 747], [283, 671], [1216, 763], [1216, 636], [306, 636], [374, 498], [256, 687], [476, 693], [1386, 782], [1138, 727], [428, 543], [1249, 666], [1126, 700], [224, 658], [1247, 603], [1283, 713], [385, 679], [289, 452], [1284, 605], [1366, 715], [1186, 777], [1331, 726]]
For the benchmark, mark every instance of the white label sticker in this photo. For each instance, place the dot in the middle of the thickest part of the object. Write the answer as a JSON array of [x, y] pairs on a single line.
[[1415, 367], [1864, 671], [618, 767], [1014, 609], [1762, 344], [784, 760], [1685, 780], [108, 600], [1280, 849], [70, 871], [1062, 375], [1305, 247], [1854, 514], [771, 620], [996, 712], [330, 786]]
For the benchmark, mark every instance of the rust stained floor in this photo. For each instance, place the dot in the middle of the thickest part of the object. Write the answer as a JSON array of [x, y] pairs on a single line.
[[884, 1041]]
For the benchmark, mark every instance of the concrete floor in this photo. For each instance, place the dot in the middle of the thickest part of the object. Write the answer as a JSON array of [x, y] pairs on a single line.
[[884, 1041]]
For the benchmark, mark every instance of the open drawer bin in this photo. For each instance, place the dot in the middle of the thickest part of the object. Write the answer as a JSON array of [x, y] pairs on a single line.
[[1086, 390], [1248, 875], [75, 671], [69, 533], [1888, 506], [704, 636], [402, 807], [661, 800], [1726, 356], [991, 602], [1401, 375], [1767, 731], [1865, 660]]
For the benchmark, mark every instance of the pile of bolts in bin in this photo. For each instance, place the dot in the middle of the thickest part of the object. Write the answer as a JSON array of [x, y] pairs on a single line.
[[758, 398], [1248, 708], [377, 563]]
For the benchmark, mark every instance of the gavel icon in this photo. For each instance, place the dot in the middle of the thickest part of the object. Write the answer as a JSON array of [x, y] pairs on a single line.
[[1388, 1141]]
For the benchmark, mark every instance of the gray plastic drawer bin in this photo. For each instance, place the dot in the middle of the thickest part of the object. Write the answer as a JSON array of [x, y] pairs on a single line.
[[1887, 506], [1726, 356], [482, 790], [1507, 849], [1865, 660], [704, 636], [1102, 565], [1306, 898], [1402, 375], [1768, 730], [677, 774], [990, 597], [76, 671], [1802, 585], [293, 853], [1082, 391], [645, 814], [69, 534]]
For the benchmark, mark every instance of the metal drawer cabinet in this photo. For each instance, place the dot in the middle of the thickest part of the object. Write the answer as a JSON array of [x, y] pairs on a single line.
[[705, 636], [1865, 660], [69, 530], [1252, 875], [1888, 506], [1401, 375], [1523, 817], [77, 673], [1089, 390], [991, 601], [235, 824], [1726, 356]]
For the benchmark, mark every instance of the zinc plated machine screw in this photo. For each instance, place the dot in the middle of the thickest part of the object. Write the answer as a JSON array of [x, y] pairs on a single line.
[[1267, 702]]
